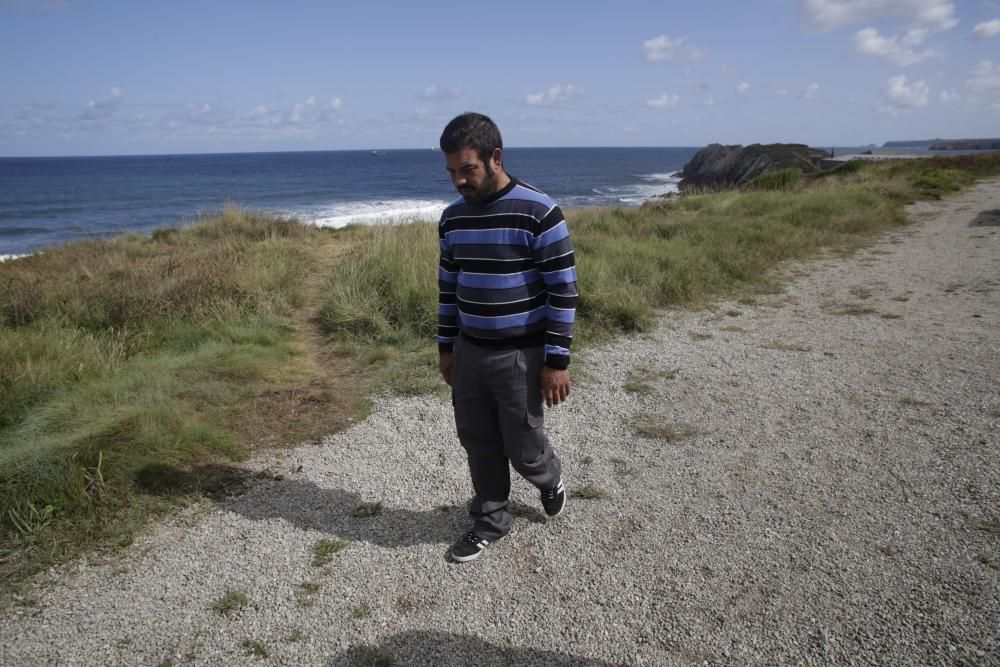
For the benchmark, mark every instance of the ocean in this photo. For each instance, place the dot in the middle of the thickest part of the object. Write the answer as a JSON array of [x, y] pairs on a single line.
[[48, 201]]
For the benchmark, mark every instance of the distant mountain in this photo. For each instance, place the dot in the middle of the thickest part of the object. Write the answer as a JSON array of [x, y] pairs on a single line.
[[947, 144]]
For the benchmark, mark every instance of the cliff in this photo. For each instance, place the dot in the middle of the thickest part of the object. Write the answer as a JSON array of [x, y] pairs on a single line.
[[727, 166]]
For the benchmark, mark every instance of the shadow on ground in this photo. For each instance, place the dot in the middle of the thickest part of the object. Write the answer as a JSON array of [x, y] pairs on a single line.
[[307, 506], [443, 648]]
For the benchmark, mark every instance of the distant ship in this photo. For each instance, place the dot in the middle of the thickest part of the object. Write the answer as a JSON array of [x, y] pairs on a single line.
[[378, 152]]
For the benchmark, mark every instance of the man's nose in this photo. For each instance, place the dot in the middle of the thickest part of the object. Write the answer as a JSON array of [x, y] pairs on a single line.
[[458, 180]]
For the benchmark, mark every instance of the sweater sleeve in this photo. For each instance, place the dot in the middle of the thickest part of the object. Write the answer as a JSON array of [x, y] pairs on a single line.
[[553, 255], [447, 301]]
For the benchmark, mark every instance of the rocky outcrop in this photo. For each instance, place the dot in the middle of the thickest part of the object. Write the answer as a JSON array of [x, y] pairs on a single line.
[[728, 166]]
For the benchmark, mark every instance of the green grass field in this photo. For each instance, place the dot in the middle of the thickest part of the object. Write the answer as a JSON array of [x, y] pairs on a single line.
[[131, 369]]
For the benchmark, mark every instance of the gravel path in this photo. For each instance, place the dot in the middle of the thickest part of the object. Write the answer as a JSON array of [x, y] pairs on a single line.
[[819, 484]]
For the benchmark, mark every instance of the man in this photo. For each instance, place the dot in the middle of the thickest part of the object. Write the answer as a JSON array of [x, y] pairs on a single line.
[[507, 280]]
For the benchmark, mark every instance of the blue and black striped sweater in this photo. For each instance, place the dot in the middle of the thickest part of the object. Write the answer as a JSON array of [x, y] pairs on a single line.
[[507, 275]]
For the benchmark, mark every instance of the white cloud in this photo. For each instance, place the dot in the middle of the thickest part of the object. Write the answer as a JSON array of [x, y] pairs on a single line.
[[897, 51], [902, 96], [436, 92], [987, 29], [984, 85], [781, 92], [985, 78], [664, 101], [948, 96], [710, 102], [667, 48], [743, 88], [555, 95], [830, 14], [810, 91], [698, 89], [103, 107]]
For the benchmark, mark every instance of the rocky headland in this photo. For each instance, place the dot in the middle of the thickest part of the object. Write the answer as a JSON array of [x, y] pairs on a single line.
[[728, 166]]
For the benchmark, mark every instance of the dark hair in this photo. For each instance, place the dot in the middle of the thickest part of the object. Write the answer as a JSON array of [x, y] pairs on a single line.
[[472, 130]]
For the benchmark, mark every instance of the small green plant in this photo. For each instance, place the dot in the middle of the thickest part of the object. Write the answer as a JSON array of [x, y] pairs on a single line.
[[861, 292], [658, 427], [621, 469], [989, 526], [254, 648], [324, 550], [367, 510], [856, 310], [641, 380], [587, 460], [588, 492], [697, 335], [915, 402], [230, 602], [361, 611], [296, 635], [785, 347], [733, 329], [305, 592]]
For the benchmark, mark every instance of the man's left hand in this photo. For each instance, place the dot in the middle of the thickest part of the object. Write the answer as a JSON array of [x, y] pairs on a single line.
[[555, 385]]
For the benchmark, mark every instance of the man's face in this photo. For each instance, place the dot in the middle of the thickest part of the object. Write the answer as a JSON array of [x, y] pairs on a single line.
[[475, 180]]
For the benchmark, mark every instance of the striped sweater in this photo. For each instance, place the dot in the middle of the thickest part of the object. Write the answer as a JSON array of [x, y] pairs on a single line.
[[507, 275]]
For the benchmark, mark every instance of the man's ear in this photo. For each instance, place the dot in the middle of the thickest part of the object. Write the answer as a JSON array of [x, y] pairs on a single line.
[[497, 158]]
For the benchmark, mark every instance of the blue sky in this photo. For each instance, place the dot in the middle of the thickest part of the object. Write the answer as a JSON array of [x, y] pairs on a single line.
[[92, 77]]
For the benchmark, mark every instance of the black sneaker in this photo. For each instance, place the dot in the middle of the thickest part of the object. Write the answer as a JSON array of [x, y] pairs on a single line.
[[555, 500], [469, 547]]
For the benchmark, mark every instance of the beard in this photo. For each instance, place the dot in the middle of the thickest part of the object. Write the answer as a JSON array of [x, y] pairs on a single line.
[[484, 191]]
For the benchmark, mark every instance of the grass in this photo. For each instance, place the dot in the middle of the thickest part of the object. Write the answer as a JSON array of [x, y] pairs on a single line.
[[367, 510], [589, 492], [785, 347], [128, 367], [230, 602], [659, 427], [324, 550], [305, 592], [254, 648], [361, 611], [641, 381]]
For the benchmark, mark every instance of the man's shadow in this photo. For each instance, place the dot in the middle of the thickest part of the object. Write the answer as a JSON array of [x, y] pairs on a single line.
[[429, 647], [307, 506]]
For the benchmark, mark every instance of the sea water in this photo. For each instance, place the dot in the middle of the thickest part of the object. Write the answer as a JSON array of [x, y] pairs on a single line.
[[48, 201]]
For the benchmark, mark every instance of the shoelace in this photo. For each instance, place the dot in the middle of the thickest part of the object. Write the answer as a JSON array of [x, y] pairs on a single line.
[[471, 538]]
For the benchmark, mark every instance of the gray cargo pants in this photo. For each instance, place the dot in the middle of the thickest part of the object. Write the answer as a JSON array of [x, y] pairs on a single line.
[[499, 416]]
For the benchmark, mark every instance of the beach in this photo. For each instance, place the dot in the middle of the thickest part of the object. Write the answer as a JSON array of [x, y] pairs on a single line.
[[810, 477]]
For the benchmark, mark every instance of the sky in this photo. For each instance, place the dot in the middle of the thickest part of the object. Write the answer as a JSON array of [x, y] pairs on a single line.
[[94, 77]]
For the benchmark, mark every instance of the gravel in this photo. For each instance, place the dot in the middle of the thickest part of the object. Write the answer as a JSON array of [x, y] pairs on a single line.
[[820, 486]]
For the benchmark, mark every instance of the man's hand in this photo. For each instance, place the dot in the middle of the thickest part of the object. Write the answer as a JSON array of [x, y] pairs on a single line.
[[446, 362], [555, 385]]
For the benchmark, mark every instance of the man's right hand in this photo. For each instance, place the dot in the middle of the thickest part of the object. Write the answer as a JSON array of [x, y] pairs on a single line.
[[446, 363]]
